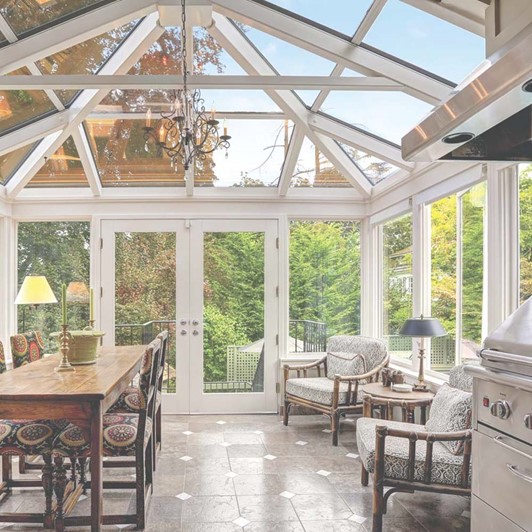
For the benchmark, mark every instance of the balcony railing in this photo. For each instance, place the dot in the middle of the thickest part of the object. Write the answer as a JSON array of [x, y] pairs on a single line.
[[307, 336]]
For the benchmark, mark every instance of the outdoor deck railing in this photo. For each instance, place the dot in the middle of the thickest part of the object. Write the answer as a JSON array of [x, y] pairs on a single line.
[[308, 336]]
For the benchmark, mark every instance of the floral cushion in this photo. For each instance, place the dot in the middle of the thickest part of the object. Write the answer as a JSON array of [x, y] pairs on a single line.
[[450, 411], [129, 401], [24, 437], [119, 437], [318, 390], [374, 351], [446, 466], [345, 364], [2, 358], [26, 348]]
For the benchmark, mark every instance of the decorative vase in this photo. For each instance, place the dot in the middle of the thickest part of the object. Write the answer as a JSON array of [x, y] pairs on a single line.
[[82, 346]]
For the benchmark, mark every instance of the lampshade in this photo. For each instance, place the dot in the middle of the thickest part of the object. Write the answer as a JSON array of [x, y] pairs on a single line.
[[35, 290], [77, 292], [422, 328]]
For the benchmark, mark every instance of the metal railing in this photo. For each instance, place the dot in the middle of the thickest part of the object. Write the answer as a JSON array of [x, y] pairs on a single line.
[[308, 336]]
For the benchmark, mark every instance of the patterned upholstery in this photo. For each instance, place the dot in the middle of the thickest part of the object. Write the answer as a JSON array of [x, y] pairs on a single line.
[[119, 437], [458, 378], [22, 437], [345, 364], [26, 348], [2, 358], [317, 390], [373, 350], [450, 411], [446, 466]]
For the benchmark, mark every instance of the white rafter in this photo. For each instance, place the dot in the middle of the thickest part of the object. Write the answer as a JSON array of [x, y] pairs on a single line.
[[136, 44], [332, 47], [246, 55], [290, 160], [79, 136]]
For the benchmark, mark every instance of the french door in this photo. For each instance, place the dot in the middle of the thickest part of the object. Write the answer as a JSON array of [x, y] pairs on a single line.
[[212, 283]]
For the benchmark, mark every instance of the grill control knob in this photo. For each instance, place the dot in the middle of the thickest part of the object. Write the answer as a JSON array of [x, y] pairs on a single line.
[[528, 421], [500, 409]]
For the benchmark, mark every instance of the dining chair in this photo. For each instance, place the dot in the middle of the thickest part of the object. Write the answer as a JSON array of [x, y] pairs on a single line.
[[124, 435], [26, 348]]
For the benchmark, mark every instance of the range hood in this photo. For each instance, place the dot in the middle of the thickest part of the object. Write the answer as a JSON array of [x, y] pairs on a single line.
[[509, 346], [487, 118]]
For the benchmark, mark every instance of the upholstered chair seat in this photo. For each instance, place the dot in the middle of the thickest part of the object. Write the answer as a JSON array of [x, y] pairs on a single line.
[[20, 437], [26, 347]]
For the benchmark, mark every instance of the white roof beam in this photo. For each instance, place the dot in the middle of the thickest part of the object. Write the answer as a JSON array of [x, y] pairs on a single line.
[[87, 159], [229, 115], [136, 44], [72, 32], [366, 142], [332, 47], [229, 82], [454, 15], [290, 160], [236, 44]]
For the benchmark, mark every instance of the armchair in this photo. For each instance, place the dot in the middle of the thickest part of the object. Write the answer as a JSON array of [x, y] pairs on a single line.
[[350, 362], [434, 457]]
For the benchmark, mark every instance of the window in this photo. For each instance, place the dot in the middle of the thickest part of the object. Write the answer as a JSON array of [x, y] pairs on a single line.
[[397, 284], [525, 232], [61, 252], [324, 282], [457, 275]]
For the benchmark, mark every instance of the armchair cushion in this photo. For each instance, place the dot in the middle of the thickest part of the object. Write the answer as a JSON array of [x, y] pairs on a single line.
[[446, 466], [373, 350], [345, 364], [450, 412], [26, 348], [316, 389], [458, 378]]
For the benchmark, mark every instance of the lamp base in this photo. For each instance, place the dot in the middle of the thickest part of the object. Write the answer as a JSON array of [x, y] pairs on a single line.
[[420, 387], [61, 368]]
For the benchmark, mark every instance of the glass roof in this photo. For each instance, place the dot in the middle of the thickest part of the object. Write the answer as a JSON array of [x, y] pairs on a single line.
[[389, 115], [345, 17], [84, 58], [10, 162], [314, 170], [21, 106], [62, 169], [426, 41], [27, 15]]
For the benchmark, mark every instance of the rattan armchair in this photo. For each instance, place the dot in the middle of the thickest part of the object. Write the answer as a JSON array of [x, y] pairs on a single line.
[[334, 392]]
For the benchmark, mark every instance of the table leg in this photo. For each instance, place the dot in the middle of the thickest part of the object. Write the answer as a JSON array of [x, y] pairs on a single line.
[[96, 467]]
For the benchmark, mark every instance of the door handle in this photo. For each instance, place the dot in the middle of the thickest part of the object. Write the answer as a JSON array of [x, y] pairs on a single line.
[[513, 469], [498, 441], [195, 332], [195, 323], [183, 332]]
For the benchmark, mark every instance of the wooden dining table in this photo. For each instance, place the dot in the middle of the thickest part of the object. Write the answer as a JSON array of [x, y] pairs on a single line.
[[36, 391]]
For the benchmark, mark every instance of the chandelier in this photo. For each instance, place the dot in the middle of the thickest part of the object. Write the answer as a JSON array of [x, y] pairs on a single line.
[[186, 131]]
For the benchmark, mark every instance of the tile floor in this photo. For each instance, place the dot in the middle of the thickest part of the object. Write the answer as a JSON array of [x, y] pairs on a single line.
[[233, 473]]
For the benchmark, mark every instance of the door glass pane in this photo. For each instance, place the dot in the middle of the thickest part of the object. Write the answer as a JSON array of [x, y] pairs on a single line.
[[324, 283], [145, 293], [525, 231], [61, 252], [233, 312], [397, 284]]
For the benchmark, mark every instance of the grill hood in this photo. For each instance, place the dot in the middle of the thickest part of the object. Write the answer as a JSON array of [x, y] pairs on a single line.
[[495, 108]]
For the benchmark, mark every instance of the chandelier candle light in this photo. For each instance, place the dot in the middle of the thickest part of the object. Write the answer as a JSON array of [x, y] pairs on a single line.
[[186, 132]]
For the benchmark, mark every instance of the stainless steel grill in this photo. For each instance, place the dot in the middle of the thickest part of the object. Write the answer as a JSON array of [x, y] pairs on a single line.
[[502, 422]]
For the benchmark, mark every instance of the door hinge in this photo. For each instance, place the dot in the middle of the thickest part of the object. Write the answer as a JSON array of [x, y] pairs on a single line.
[[277, 242], [276, 339], [277, 387], [101, 291], [277, 291], [101, 243]]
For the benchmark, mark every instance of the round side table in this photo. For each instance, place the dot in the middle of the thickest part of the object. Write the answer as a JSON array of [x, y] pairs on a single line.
[[378, 398]]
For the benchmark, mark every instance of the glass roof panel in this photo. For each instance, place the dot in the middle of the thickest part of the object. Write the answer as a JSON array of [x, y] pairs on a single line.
[[344, 17], [3, 40], [313, 169], [120, 152], [21, 106], [389, 115], [375, 169], [426, 41], [27, 15], [84, 58], [256, 155], [10, 162], [288, 59], [62, 169]]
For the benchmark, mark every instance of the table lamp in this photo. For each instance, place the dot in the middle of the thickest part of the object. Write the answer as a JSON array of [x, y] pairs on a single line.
[[422, 327], [34, 291]]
